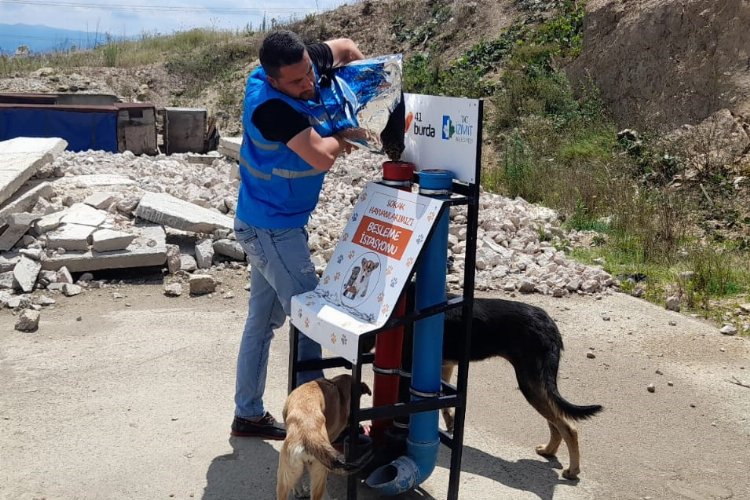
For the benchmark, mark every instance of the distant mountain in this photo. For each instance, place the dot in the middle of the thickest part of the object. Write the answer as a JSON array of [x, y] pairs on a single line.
[[41, 39]]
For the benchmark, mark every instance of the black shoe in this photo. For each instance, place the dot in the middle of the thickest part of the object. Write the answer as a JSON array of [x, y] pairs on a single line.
[[266, 427]]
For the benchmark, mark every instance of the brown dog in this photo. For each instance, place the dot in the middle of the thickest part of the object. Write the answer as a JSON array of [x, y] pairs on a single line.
[[315, 414]]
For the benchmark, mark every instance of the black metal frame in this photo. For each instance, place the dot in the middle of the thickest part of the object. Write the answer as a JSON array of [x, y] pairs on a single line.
[[451, 396]]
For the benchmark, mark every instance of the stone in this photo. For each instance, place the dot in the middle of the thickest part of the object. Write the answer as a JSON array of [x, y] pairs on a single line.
[[64, 276], [7, 281], [25, 201], [174, 262], [147, 249], [673, 303], [70, 290], [49, 222], [28, 321], [204, 253], [188, 263], [100, 200], [728, 330], [26, 273], [85, 215], [201, 284], [229, 248], [21, 157], [70, 237], [107, 240], [165, 209], [173, 290]]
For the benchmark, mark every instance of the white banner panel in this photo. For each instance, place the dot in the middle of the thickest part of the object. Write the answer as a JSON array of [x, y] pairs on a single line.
[[368, 270], [442, 132]]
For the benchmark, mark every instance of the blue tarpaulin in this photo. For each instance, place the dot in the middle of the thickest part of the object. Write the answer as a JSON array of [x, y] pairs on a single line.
[[84, 128]]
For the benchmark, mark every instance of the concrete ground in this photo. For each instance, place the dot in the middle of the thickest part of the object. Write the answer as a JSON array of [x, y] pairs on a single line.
[[131, 398]]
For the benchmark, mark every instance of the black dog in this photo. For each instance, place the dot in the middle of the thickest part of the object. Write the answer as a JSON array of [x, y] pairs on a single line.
[[528, 338]]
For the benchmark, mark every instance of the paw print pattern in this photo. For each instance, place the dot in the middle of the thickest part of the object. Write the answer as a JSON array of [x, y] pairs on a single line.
[[299, 314], [344, 237], [420, 239], [410, 261], [355, 216], [389, 270], [326, 280], [337, 276], [363, 196], [431, 216], [351, 255], [307, 322], [333, 338], [340, 259], [381, 296], [386, 309], [344, 340], [394, 282]]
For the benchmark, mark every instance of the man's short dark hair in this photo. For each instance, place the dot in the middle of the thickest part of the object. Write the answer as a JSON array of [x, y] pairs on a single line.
[[280, 48]]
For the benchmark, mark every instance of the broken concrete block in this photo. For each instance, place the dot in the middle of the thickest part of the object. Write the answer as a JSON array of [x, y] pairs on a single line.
[[24, 202], [49, 222], [93, 180], [149, 248], [32, 253], [165, 209], [46, 277], [7, 280], [201, 284], [64, 276], [174, 262], [21, 157], [26, 273], [173, 290], [8, 262], [229, 248], [70, 237], [70, 290], [5, 298], [100, 201], [230, 146], [28, 321], [107, 240], [204, 254], [188, 263], [85, 215], [18, 224]]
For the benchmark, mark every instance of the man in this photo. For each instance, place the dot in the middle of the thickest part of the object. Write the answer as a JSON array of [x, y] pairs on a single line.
[[288, 146]]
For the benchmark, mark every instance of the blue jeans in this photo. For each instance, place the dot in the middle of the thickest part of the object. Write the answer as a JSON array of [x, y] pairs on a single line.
[[280, 268]]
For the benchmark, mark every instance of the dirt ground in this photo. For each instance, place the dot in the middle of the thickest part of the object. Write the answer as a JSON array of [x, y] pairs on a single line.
[[131, 397]]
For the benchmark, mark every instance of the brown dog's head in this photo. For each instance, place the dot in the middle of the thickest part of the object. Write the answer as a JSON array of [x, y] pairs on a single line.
[[344, 385]]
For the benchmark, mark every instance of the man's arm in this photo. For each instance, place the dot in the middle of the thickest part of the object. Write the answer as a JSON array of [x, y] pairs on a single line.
[[319, 152], [344, 51]]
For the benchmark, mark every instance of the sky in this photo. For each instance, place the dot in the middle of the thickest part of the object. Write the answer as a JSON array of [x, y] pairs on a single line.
[[135, 17]]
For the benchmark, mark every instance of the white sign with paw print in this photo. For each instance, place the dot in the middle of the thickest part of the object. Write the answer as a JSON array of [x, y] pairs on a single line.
[[368, 270]]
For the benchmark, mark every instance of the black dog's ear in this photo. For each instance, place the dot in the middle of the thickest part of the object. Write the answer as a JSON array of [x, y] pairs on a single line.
[[365, 389]]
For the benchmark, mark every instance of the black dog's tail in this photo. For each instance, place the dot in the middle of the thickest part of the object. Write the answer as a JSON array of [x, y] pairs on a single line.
[[549, 371], [540, 390]]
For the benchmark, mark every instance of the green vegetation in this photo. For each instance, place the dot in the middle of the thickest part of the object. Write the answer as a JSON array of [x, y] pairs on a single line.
[[557, 147], [553, 144]]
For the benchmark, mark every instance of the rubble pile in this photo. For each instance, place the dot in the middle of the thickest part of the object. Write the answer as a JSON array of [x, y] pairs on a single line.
[[89, 211]]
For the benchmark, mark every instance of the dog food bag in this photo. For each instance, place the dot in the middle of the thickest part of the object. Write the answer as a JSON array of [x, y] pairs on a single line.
[[371, 113]]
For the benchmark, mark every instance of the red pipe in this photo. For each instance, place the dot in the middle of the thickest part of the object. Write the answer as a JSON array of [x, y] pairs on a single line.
[[388, 344]]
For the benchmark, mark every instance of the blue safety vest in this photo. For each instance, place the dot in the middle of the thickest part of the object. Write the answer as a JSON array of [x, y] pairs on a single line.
[[278, 189]]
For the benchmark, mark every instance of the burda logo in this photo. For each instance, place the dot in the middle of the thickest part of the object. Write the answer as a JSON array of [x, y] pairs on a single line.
[[421, 129], [459, 131]]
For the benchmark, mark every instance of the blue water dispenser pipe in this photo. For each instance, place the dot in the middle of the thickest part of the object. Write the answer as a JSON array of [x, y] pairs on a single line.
[[423, 442]]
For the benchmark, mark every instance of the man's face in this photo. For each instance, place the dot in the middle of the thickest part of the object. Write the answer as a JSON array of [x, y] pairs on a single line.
[[296, 80]]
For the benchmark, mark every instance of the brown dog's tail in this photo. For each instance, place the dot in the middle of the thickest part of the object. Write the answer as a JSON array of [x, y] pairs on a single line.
[[333, 460]]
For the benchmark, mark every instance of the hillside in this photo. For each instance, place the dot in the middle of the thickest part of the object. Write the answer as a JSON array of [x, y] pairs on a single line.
[[628, 119]]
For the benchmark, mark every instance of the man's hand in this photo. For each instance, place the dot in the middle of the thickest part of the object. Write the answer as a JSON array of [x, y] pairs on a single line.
[[344, 51]]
